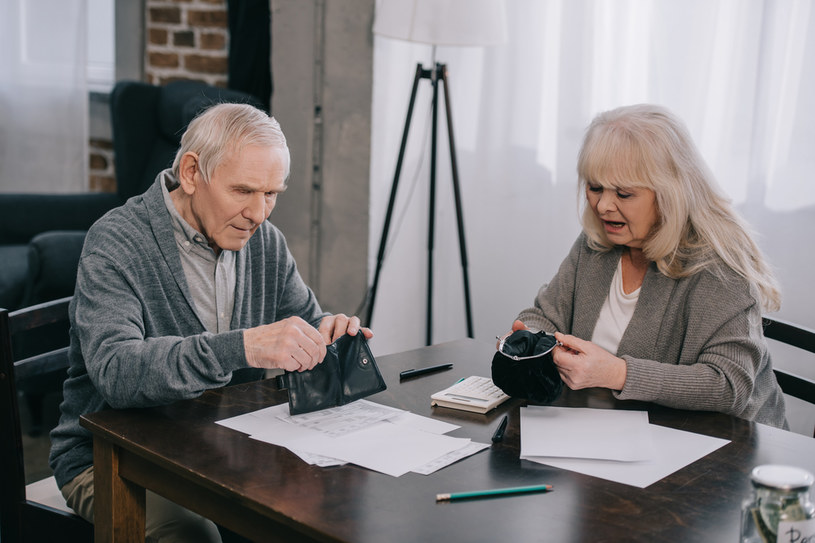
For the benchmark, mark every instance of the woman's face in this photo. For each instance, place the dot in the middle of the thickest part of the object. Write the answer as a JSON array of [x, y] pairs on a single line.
[[628, 214]]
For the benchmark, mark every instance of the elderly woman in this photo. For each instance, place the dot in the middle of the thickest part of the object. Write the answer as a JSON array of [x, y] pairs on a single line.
[[661, 296]]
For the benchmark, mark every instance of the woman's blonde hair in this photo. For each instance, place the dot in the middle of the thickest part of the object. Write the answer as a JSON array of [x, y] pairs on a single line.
[[647, 146], [223, 129]]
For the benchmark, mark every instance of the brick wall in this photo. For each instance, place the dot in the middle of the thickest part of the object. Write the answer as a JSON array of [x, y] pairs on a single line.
[[100, 166], [186, 39]]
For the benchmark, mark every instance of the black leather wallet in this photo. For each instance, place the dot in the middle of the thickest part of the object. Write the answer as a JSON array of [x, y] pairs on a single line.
[[347, 373]]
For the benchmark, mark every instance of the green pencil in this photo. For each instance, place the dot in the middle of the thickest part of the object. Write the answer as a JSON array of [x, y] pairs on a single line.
[[494, 492]]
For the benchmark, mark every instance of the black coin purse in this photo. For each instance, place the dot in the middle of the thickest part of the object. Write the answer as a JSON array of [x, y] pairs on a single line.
[[523, 367]]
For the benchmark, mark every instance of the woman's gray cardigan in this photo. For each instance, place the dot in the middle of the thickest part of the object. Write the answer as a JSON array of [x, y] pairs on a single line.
[[692, 343]]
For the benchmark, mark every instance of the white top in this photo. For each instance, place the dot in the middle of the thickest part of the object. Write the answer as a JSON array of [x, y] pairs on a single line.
[[615, 314]]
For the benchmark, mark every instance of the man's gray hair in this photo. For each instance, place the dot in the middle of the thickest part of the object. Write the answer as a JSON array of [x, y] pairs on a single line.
[[223, 129]]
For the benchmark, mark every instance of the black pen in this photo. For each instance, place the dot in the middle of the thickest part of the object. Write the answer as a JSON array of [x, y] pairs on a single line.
[[421, 371], [498, 436]]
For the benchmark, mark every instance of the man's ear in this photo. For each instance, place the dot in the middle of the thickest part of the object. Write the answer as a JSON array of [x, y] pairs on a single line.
[[188, 172]]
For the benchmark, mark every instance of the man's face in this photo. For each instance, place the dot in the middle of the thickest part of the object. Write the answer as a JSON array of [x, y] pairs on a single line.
[[240, 195]]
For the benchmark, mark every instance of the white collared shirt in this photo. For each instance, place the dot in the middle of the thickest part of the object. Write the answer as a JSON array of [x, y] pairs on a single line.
[[211, 279]]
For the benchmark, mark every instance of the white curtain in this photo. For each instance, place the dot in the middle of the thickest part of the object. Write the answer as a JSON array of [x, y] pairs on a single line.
[[43, 96], [739, 72]]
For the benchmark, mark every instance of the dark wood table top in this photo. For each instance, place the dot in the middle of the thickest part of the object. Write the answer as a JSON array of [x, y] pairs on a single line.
[[700, 502]]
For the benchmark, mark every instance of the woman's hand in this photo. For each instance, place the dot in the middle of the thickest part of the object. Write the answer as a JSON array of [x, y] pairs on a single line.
[[582, 364], [517, 325]]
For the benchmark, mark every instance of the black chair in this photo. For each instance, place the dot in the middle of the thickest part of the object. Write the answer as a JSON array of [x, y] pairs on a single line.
[[148, 122], [41, 235], [34, 512], [796, 336]]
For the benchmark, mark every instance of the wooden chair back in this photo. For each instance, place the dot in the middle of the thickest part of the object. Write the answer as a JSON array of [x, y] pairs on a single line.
[[24, 335]]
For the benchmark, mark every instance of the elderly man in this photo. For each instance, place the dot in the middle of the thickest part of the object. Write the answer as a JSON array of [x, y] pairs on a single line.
[[184, 289]]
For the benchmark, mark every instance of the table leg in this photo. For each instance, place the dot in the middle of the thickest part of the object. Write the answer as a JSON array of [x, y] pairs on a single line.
[[118, 503]]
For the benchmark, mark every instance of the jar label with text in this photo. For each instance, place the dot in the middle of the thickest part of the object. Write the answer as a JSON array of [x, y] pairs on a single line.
[[802, 531]]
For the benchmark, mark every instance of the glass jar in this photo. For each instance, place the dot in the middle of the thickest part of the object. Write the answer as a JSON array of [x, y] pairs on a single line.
[[779, 508]]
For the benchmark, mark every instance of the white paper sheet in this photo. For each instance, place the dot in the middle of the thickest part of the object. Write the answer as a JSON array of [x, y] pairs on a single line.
[[256, 421], [425, 424], [384, 447], [674, 449], [576, 432], [448, 459], [318, 460], [390, 441], [343, 419]]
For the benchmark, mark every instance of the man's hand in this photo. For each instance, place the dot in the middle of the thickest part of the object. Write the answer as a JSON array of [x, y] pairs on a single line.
[[582, 364], [291, 344], [333, 327]]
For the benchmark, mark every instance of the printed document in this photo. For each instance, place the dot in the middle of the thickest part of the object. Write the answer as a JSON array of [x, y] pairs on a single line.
[[370, 435]]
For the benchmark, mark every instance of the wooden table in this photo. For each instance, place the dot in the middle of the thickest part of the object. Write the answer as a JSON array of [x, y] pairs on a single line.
[[268, 494]]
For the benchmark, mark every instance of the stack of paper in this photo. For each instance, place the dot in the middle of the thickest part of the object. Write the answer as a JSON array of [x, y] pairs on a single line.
[[611, 444], [364, 433]]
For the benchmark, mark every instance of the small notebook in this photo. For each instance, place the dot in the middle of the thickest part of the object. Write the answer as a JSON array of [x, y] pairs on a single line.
[[476, 394]]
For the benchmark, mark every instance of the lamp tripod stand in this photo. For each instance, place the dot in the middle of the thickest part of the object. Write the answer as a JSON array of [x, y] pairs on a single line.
[[436, 75]]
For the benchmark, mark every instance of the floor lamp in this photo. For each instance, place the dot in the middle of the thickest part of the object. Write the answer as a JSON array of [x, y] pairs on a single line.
[[435, 22]]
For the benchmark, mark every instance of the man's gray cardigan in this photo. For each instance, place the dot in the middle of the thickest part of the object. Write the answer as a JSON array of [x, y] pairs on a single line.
[[136, 340], [692, 343]]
